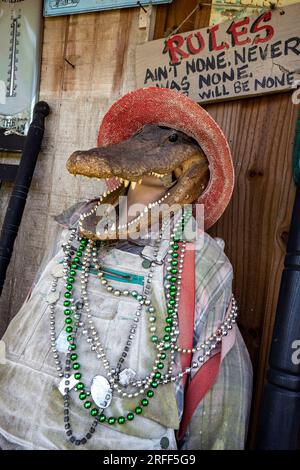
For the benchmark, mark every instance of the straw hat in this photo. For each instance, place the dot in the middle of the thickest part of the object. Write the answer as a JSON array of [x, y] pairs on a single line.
[[170, 108]]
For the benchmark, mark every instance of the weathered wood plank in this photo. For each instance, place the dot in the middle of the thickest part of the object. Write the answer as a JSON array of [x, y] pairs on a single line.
[[255, 226], [169, 17], [101, 48], [256, 223]]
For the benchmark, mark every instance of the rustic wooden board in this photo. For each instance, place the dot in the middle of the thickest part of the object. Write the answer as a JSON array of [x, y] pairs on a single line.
[[87, 63], [101, 48], [256, 223], [247, 57], [255, 226]]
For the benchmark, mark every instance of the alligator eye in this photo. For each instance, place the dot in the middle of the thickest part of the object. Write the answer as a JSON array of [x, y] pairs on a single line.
[[173, 137]]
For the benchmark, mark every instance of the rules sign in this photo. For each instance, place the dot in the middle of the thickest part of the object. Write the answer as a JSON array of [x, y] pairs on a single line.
[[243, 57]]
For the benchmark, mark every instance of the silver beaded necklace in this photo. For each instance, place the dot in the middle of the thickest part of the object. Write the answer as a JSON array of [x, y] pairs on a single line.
[[112, 383], [118, 379]]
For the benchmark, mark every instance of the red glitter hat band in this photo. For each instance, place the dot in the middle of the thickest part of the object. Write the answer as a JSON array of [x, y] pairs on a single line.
[[172, 109]]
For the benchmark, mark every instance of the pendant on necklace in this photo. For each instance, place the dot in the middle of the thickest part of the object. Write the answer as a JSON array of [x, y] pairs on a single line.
[[52, 297], [57, 270], [126, 376], [101, 391], [146, 263], [67, 383]]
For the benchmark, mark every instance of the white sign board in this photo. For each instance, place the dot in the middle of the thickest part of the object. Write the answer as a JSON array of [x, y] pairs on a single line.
[[242, 57]]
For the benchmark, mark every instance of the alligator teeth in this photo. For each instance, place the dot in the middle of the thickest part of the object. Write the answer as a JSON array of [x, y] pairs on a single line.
[[133, 185], [126, 183], [139, 181]]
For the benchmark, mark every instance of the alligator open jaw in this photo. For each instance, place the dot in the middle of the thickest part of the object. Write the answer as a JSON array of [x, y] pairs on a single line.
[[172, 156]]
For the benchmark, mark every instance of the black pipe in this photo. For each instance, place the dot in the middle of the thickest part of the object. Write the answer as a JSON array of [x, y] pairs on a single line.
[[21, 187], [280, 410]]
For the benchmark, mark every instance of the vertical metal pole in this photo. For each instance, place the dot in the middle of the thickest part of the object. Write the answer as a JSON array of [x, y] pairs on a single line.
[[18, 197], [280, 410]]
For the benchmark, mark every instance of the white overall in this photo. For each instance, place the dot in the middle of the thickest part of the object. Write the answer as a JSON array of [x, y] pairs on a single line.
[[33, 406]]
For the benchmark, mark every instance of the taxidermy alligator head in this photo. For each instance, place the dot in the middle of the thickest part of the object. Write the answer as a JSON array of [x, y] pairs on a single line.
[[154, 150]]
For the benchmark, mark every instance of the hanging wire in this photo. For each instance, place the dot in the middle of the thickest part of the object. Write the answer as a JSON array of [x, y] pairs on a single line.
[[185, 20]]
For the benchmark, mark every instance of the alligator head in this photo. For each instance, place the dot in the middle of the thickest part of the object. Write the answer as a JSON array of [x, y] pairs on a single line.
[[154, 150]]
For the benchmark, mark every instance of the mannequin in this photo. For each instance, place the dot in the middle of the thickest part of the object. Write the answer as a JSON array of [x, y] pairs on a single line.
[[140, 322]]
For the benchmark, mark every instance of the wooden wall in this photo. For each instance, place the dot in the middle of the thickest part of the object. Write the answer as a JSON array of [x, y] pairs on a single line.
[[101, 47]]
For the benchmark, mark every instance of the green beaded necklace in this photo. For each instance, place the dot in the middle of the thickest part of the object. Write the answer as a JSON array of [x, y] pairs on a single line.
[[172, 278]]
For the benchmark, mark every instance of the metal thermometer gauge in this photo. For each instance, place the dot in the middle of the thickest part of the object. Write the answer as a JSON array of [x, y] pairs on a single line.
[[15, 25], [20, 33]]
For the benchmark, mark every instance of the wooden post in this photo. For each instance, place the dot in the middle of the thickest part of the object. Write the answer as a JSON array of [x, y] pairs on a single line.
[[18, 197], [280, 409]]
